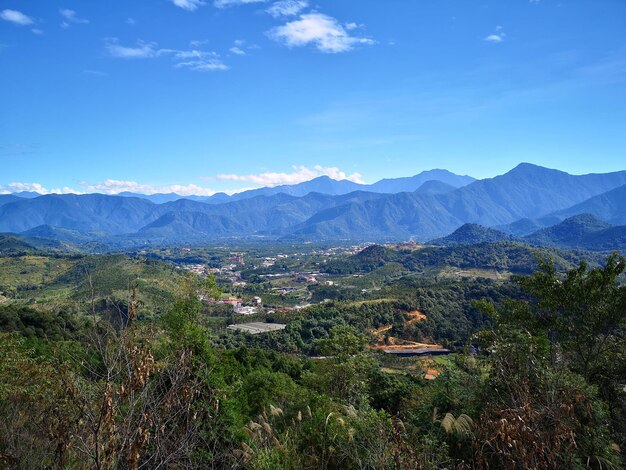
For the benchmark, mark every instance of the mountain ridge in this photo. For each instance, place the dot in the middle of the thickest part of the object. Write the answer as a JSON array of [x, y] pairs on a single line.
[[528, 195]]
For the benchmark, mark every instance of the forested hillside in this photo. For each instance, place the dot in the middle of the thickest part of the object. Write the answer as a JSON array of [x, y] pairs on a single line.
[[537, 378]]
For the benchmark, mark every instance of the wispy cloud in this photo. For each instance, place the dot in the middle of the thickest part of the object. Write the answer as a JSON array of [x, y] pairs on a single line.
[[16, 17], [33, 187], [237, 51], [189, 5], [497, 36], [322, 31], [111, 186], [197, 60], [229, 3], [203, 65], [192, 59], [299, 174], [198, 42], [143, 50], [287, 8], [70, 17]]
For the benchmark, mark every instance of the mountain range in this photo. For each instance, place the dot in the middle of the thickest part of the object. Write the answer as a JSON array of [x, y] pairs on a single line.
[[429, 205], [584, 231], [437, 181]]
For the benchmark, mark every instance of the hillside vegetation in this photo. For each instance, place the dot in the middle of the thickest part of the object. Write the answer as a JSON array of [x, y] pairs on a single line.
[[537, 378]]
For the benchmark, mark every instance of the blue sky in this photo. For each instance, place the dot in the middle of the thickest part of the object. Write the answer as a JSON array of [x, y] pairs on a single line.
[[202, 96]]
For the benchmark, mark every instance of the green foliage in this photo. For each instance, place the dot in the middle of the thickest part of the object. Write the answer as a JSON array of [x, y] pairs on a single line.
[[510, 256], [342, 342], [585, 312], [544, 358], [14, 246], [17, 317], [545, 389]]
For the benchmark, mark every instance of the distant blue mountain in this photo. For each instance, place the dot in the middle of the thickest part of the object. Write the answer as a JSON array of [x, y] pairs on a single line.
[[435, 187], [159, 198], [526, 198], [572, 232], [609, 206], [526, 226], [472, 234], [322, 184], [437, 180], [432, 181], [581, 231], [27, 194], [6, 198], [61, 234], [410, 184], [85, 213], [527, 191]]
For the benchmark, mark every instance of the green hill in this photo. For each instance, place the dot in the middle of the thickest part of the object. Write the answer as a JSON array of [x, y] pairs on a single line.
[[11, 245], [514, 257], [582, 231], [471, 234]]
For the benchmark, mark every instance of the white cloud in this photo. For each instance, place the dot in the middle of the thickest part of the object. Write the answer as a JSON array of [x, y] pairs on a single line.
[[37, 31], [299, 175], [189, 5], [198, 43], [142, 50], [33, 187], [496, 37], [236, 50], [111, 186], [204, 65], [198, 60], [16, 17], [323, 31], [287, 8], [228, 3], [192, 59], [130, 21], [70, 17]]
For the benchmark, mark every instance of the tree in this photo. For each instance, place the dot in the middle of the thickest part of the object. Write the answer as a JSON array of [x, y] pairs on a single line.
[[544, 356], [584, 312], [343, 373]]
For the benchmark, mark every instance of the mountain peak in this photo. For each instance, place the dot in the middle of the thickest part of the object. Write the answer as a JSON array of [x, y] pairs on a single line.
[[471, 234], [586, 220], [323, 178], [570, 232], [526, 168]]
